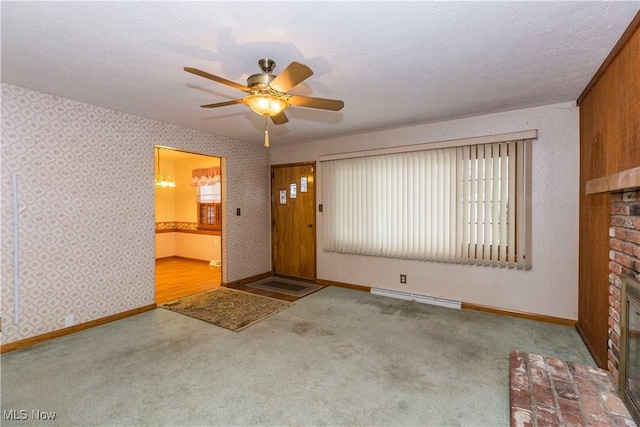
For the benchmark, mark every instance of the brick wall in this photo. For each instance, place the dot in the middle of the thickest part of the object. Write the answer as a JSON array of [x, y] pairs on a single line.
[[624, 258]]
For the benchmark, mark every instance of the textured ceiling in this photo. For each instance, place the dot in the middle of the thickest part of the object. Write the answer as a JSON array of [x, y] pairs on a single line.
[[393, 63]]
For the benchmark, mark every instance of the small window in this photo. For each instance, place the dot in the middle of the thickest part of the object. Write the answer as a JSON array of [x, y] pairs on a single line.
[[209, 207], [209, 216], [208, 197]]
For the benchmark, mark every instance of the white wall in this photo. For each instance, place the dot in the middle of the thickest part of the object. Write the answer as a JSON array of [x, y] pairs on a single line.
[[165, 245], [550, 287], [204, 247]]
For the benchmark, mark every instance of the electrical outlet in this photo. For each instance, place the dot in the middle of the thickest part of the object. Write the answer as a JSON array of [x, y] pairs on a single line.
[[403, 279]]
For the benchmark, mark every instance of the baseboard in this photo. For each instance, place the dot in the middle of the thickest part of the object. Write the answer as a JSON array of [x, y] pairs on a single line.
[[27, 342], [247, 280], [520, 314], [182, 257], [469, 306], [324, 282]]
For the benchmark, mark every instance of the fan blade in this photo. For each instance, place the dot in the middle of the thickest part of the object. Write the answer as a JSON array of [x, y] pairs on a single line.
[[321, 103], [223, 104], [291, 76], [280, 119], [216, 78]]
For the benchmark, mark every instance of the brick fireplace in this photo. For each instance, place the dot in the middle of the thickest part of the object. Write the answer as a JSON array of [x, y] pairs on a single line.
[[624, 258], [548, 391], [624, 248]]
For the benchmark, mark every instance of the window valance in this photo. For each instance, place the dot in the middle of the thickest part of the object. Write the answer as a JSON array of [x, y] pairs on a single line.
[[205, 176]]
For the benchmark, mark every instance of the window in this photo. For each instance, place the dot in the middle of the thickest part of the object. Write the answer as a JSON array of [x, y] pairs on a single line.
[[465, 202], [208, 193], [209, 207], [209, 216]]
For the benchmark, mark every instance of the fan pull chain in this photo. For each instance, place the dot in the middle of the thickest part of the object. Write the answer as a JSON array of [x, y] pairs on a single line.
[[266, 133]]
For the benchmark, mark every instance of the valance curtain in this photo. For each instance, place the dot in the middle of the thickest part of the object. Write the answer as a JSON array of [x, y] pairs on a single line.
[[205, 176]]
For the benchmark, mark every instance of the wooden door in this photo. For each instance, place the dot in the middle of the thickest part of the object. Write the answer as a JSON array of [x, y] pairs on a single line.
[[293, 200]]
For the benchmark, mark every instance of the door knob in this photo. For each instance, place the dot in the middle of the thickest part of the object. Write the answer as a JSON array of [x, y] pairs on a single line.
[[309, 225]]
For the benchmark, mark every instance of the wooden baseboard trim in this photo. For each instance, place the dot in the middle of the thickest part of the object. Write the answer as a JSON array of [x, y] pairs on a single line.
[[183, 258], [27, 342], [324, 282], [247, 280], [520, 314]]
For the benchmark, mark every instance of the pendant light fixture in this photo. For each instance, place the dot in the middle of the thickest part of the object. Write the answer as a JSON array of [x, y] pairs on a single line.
[[163, 181]]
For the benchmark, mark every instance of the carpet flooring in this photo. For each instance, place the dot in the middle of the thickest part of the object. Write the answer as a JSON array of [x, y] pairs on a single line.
[[338, 357], [228, 308]]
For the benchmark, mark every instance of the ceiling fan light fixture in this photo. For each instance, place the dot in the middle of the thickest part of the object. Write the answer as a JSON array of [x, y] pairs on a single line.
[[266, 104], [267, 94]]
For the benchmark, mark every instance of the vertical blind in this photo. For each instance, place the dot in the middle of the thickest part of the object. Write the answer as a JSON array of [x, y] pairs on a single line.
[[464, 204]]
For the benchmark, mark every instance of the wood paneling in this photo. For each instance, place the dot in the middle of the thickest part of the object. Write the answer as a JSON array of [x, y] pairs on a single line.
[[609, 132]]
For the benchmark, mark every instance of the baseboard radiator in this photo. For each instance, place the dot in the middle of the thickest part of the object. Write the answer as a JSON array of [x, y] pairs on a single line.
[[426, 299]]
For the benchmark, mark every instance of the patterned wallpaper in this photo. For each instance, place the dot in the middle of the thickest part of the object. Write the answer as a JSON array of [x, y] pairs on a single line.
[[86, 234]]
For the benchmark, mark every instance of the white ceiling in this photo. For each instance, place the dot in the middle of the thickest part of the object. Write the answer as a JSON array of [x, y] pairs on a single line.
[[393, 63]]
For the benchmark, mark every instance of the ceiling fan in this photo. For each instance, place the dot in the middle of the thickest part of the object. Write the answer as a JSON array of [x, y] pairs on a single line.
[[267, 93]]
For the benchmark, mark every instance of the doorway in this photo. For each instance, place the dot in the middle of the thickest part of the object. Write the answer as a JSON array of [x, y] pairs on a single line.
[[188, 223], [293, 200]]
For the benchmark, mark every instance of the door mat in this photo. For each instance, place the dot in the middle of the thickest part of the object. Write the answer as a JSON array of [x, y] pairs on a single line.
[[228, 308], [297, 289]]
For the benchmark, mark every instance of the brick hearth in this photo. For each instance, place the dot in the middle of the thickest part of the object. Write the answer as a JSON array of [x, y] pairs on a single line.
[[545, 391]]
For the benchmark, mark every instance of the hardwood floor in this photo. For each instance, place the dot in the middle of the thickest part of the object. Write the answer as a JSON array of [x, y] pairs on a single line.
[[181, 277]]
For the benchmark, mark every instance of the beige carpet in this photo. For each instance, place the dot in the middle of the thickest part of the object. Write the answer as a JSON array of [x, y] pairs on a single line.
[[229, 308]]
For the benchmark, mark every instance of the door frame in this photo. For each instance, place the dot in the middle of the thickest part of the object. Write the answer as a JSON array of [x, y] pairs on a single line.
[[191, 156], [315, 218]]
